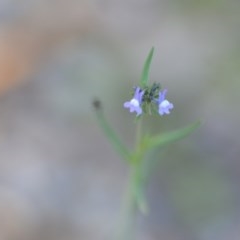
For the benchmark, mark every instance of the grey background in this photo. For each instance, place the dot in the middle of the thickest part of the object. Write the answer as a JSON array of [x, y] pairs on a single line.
[[59, 177]]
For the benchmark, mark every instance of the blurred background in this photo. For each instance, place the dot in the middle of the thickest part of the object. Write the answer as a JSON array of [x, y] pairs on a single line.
[[59, 177]]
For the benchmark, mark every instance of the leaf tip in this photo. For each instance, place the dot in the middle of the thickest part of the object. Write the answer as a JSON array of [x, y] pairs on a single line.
[[145, 72]]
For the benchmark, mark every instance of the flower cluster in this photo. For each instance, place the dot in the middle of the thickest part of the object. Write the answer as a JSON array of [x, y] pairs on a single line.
[[149, 99]]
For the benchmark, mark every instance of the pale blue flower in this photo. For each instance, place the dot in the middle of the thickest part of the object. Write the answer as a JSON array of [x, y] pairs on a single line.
[[164, 106], [134, 104]]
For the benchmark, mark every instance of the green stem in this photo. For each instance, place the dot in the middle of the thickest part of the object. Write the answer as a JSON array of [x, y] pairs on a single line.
[[130, 211], [138, 132]]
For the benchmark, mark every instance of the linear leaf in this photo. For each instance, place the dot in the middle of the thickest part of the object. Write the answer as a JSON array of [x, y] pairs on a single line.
[[166, 138], [112, 136], [145, 72]]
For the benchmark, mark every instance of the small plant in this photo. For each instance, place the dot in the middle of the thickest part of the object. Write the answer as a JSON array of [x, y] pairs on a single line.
[[151, 100]]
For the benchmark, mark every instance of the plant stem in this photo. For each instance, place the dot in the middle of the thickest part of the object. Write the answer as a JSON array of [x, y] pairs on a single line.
[[130, 210], [138, 132]]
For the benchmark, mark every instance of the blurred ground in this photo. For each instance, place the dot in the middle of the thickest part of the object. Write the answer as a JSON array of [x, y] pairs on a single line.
[[59, 177]]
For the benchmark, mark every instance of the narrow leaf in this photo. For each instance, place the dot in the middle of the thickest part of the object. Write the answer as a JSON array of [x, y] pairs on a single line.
[[112, 136], [145, 72], [166, 138]]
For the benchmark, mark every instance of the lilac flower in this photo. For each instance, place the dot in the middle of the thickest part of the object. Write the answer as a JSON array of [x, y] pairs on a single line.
[[164, 106], [134, 104]]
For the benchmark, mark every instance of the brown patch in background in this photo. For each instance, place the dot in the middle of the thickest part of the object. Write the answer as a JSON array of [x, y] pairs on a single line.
[[31, 38], [15, 61]]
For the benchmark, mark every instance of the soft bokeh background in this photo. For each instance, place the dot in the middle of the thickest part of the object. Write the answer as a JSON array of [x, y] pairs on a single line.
[[59, 177]]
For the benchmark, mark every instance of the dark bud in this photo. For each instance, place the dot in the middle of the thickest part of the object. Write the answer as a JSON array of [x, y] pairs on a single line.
[[97, 104], [151, 93]]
